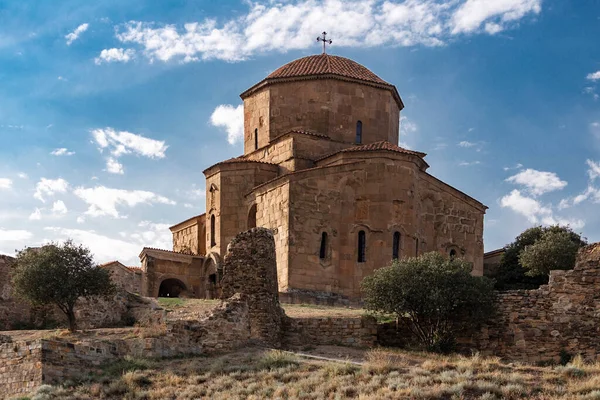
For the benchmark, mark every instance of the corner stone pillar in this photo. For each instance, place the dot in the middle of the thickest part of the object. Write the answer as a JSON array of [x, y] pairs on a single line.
[[250, 268]]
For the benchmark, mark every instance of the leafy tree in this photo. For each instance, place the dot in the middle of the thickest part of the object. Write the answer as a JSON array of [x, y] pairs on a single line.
[[512, 275], [554, 250], [436, 296], [59, 274]]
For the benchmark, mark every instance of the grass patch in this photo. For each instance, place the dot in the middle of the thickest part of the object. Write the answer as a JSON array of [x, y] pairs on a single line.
[[128, 364], [170, 302], [277, 359]]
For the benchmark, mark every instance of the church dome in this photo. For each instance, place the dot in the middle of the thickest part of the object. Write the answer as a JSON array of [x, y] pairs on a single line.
[[325, 64]]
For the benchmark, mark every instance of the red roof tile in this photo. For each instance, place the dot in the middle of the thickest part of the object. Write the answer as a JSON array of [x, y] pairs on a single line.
[[326, 64], [384, 145]]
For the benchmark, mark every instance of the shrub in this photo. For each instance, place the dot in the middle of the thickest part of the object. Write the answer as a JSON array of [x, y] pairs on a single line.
[[436, 295], [59, 274], [511, 273], [277, 359]]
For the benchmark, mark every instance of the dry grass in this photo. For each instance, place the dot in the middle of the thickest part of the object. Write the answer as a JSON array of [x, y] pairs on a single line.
[[385, 374]]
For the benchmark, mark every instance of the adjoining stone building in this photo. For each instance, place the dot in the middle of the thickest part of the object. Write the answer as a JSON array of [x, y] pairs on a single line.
[[322, 168]]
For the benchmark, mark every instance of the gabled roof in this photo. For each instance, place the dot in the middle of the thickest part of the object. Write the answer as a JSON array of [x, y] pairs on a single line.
[[383, 145]]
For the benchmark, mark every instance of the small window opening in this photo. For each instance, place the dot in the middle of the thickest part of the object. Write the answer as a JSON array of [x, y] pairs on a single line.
[[323, 250], [256, 139], [212, 278], [252, 217], [396, 246], [213, 235], [362, 246], [359, 132], [452, 254]]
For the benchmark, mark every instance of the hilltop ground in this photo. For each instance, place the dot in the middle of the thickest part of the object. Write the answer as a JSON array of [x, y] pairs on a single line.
[[377, 374]]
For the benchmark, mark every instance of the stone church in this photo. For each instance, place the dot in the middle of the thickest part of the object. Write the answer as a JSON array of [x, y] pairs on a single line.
[[322, 168]]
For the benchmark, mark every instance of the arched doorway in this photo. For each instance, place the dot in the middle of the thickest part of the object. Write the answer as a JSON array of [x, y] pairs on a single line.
[[211, 282], [171, 288]]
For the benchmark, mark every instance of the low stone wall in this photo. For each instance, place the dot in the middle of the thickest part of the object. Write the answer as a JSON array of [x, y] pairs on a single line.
[[539, 325], [20, 366], [358, 332]]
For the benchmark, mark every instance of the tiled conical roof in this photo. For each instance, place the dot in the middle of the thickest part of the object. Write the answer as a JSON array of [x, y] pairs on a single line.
[[325, 64]]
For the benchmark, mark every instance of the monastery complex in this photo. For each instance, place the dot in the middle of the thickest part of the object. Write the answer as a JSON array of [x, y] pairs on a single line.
[[323, 170]]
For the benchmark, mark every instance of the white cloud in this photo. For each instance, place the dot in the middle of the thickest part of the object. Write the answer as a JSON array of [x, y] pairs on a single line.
[[36, 215], [188, 205], [119, 143], [468, 163], [115, 55], [465, 143], [594, 169], [496, 14], [283, 26], [5, 183], [104, 248], [231, 119], [407, 126], [22, 175], [14, 235], [532, 209], [123, 142], [594, 76], [113, 166], [59, 208], [48, 187], [62, 152], [104, 201], [73, 36], [537, 182], [80, 219], [518, 166]]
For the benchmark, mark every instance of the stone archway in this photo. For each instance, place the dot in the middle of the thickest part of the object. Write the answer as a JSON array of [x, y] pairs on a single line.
[[171, 288], [211, 277]]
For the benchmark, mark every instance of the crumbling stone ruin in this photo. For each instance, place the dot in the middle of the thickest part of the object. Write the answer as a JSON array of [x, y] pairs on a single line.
[[250, 269]]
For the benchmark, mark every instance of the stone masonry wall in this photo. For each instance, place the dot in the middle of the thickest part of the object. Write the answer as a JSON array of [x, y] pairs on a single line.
[[250, 269], [357, 332], [537, 325], [20, 366]]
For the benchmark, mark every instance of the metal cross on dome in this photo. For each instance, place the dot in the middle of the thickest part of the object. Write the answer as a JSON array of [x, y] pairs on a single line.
[[324, 40]]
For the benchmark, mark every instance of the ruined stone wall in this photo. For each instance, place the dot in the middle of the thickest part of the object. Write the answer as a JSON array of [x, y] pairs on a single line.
[[357, 332], [536, 325], [327, 106], [125, 278], [250, 269], [20, 366]]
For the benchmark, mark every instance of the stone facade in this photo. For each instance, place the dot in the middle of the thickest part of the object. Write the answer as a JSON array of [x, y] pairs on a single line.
[[188, 236], [537, 325], [491, 262], [322, 170]]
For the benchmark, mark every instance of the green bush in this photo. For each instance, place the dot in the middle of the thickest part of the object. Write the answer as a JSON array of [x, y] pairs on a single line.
[[436, 295]]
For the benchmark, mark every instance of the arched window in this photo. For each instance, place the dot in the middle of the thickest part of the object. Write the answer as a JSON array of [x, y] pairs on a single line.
[[358, 132], [416, 247], [323, 250], [213, 234], [396, 246], [362, 246], [256, 139], [452, 254], [252, 217]]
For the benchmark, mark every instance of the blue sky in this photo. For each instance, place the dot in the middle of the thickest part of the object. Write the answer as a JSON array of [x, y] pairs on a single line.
[[111, 110]]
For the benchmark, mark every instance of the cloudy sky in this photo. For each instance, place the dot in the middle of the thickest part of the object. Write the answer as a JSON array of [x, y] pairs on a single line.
[[111, 110]]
